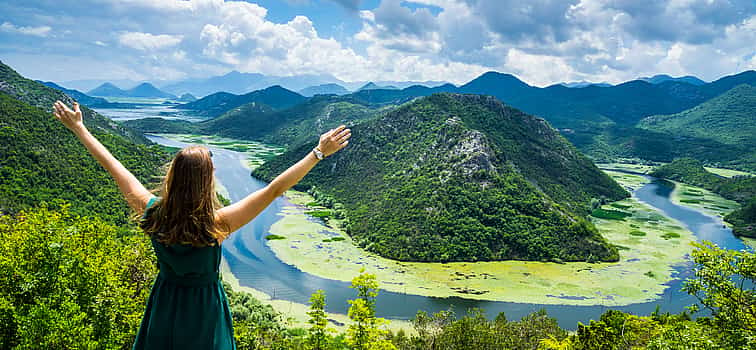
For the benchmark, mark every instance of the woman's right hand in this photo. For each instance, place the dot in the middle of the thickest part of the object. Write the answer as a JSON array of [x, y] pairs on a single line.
[[72, 119], [334, 140]]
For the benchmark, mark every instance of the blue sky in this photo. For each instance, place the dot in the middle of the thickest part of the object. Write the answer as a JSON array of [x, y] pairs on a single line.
[[540, 41]]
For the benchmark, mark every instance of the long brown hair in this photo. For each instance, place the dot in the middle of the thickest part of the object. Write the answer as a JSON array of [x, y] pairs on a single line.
[[185, 214]]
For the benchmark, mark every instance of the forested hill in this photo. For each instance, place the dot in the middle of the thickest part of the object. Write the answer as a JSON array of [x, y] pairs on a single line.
[[218, 103], [36, 94], [42, 162], [729, 118], [462, 178], [257, 121]]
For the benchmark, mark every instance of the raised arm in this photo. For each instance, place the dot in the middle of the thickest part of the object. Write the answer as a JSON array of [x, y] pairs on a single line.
[[134, 192], [240, 213]]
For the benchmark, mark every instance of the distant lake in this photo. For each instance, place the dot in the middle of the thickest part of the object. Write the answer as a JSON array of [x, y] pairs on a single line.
[[146, 108]]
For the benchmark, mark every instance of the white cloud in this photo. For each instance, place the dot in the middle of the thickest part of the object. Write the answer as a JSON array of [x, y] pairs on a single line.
[[41, 31], [148, 42], [542, 42]]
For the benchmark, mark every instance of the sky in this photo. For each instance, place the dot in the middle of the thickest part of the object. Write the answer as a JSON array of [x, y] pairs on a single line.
[[540, 41]]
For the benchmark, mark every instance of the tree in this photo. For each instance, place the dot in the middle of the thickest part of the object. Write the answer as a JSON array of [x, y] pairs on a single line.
[[318, 335], [724, 283], [366, 333]]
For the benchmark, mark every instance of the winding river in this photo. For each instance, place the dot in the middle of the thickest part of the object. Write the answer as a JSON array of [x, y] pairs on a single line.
[[256, 266]]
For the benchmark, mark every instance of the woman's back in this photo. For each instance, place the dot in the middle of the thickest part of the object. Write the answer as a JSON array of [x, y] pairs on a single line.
[[187, 308]]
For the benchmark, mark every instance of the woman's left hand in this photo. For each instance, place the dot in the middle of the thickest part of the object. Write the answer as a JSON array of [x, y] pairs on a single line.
[[72, 119]]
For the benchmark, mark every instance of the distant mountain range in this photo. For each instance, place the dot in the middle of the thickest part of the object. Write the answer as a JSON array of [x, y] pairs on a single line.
[[373, 86], [582, 84], [600, 121], [660, 78], [324, 89], [216, 104], [241, 83], [143, 90], [77, 95]]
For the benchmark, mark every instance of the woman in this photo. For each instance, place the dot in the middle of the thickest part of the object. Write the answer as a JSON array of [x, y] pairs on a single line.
[[187, 308]]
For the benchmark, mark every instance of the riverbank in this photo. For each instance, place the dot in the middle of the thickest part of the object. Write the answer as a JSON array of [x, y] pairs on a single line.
[[295, 314], [702, 200], [650, 246], [256, 152]]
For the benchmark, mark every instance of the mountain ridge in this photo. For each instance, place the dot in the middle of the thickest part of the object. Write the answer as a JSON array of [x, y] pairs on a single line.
[[458, 155]]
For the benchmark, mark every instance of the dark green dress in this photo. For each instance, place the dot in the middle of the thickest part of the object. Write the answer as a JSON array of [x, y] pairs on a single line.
[[187, 308]]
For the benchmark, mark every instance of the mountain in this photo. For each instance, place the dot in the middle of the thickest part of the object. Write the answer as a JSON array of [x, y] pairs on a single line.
[[38, 95], [89, 84], [218, 103], [372, 86], [582, 84], [291, 126], [660, 78], [42, 163], [256, 121], [729, 118], [324, 89], [462, 178], [148, 90], [108, 90], [77, 95], [241, 83], [187, 97]]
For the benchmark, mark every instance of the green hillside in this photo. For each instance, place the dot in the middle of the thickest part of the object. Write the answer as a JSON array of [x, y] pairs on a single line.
[[729, 118], [218, 103], [462, 178], [42, 162], [740, 189], [257, 121], [36, 94], [289, 126]]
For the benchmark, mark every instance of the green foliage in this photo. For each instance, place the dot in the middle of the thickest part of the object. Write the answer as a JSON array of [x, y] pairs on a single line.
[[461, 178], [610, 214], [366, 333], [317, 338], [474, 331], [669, 235], [273, 237], [70, 282], [721, 283]]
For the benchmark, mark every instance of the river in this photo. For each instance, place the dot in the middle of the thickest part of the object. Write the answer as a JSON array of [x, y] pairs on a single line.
[[256, 266]]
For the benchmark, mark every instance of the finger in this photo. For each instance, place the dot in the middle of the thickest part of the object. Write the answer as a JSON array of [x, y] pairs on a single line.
[[344, 144], [76, 107], [344, 137], [56, 115], [338, 130], [343, 132]]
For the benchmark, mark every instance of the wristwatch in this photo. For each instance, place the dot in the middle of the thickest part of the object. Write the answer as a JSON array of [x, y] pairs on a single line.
[[318, 154]]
